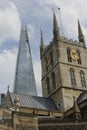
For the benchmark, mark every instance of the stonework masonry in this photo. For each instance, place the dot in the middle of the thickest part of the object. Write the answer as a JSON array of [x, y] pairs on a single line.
[[57, 80]]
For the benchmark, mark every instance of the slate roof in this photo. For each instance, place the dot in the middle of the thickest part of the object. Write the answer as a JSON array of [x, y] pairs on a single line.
[[82, 97], [34, 102]]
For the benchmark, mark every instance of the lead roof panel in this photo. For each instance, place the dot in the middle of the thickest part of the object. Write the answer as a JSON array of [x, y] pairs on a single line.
[[34, 102]]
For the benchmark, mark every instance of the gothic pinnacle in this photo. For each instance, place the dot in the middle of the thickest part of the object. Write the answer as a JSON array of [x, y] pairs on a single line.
[[42, 40], [55, 27], [42, 46], [80, 33]]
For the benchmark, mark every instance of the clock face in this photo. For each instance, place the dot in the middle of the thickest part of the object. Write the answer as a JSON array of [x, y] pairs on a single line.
[[74, 55]]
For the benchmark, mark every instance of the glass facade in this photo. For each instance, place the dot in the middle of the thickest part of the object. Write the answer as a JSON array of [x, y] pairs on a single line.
[[24, 76]]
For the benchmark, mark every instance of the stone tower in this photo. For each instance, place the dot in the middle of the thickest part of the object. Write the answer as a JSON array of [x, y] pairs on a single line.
[[24, 76], [64, 67]]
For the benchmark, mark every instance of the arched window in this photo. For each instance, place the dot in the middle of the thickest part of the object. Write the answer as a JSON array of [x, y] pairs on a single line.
[[79, 60], [82, 76], [48, 85], [72, 75], [51, 58], [68, 55], [53, 80]]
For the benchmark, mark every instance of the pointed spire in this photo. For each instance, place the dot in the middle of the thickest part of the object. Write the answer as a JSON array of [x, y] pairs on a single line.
[[42, 40], [8, 89], [76, 111], [55, 27], [42, 45], [80, 33]]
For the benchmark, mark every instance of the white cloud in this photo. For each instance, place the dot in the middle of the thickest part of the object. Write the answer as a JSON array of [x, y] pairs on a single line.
[[7, 69], [70, 11], [9, 23], [30, 30]]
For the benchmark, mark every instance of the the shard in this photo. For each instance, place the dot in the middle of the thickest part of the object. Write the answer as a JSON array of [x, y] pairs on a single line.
[[24, 82]]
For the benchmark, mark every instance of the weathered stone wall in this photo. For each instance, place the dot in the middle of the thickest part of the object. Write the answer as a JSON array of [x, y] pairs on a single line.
[[61, 68]]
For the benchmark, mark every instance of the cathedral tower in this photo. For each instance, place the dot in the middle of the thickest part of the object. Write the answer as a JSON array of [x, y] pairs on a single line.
[[64, 68], [24, 76]]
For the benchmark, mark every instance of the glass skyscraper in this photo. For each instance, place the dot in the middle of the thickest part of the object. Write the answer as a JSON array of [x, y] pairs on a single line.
[[24, 76]]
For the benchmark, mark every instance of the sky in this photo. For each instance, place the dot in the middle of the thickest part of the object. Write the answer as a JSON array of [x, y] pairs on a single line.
[[36, 14]]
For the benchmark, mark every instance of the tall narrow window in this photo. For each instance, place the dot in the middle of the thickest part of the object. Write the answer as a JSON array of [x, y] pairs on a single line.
[[79, 60], [53, 80], [68, 55], [46, 64], [82, 76], [51, 58], [48, 85], [72, 75]]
